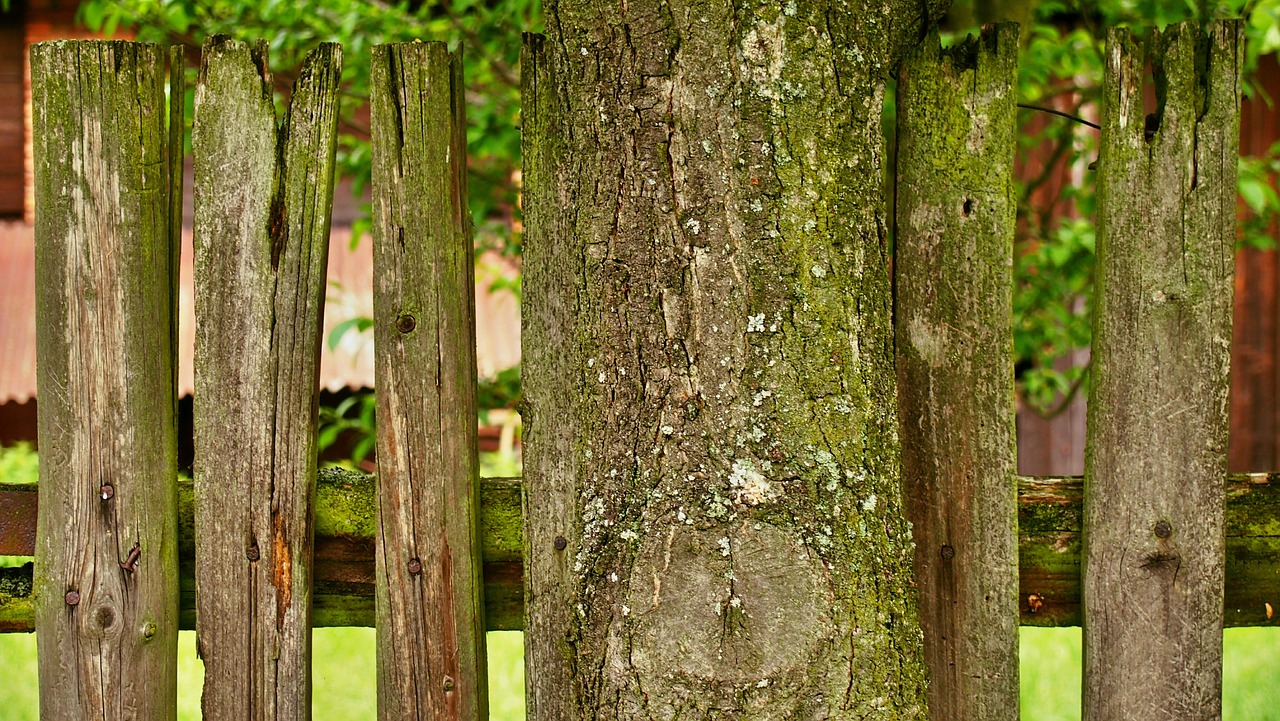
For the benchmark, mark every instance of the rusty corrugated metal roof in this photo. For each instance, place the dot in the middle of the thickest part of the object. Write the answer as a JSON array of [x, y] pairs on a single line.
[[17, 313], [350, 365]]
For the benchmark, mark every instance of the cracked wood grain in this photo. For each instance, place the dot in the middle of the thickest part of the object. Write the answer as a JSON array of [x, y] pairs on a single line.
[[1157, 434], [954, 323], [106, 579], [431, 644], [262, 212]]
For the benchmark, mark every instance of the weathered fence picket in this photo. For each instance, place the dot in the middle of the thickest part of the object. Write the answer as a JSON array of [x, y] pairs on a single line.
[[107, 582], [954, 315], [431, 651], [1157, 433], [1136, 551], [262, 209]]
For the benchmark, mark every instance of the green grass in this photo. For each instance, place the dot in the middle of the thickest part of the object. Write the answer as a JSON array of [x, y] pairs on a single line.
[[1051, 674], [343, 687], [344, 675]]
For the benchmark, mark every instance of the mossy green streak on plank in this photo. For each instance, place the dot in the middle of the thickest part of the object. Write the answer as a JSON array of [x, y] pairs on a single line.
[[430, 665], [1157, 432], [262, 210], [106, 580], [954, 322]]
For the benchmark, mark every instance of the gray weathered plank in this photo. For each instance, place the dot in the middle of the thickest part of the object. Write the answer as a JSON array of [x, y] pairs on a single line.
[[550, 355], [262, 209], [954, 324], [107, 580], [431, 650], [1156, 454]]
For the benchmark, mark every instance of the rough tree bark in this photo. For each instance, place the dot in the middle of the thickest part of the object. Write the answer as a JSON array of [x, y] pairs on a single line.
[[715, 523]]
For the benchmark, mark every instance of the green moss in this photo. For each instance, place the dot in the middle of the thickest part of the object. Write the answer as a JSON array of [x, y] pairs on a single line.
[[346, 503], [501, 521], [17, 610]]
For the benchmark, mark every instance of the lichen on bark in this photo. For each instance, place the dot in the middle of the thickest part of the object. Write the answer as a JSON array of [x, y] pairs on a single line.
[[711, 400]]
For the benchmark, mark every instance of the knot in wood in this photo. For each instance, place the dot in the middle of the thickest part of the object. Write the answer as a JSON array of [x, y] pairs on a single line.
[[405, 323]]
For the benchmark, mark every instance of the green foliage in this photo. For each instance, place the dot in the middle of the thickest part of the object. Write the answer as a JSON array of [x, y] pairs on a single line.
[[18, 464], [489, 30], [1061, 68], [354, 420], [1257, 178]]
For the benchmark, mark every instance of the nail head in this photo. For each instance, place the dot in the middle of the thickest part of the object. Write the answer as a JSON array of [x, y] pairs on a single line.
[[948, 552], [108, 492], [561, 543], [253, 554], [415, 566], [73, 598], [1163, 529]]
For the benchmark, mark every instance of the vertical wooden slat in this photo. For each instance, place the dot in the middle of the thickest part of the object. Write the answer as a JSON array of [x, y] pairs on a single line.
[[262, 210], [1153, 515], [549, 352], [954, 325], [107, 565], [431, 652]]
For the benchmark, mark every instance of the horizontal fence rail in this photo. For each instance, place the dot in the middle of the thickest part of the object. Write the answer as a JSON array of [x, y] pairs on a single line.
[[1049, 518]]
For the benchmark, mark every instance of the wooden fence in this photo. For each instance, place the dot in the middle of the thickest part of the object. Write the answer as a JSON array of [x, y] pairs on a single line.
[[260, 548]]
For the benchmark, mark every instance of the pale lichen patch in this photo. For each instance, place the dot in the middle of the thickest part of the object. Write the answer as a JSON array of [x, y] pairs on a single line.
[[749, 484]]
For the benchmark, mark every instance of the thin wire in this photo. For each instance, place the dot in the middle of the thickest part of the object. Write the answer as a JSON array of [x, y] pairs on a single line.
[[1059, 113]]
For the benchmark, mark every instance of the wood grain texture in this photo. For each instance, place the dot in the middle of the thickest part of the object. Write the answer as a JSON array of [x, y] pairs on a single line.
[[262, 209], [431, 650], [549, 355], [954, 324], [1157, 437], [106, 582]]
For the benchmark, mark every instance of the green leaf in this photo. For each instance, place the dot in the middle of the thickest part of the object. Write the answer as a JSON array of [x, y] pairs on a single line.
[[360, 324]]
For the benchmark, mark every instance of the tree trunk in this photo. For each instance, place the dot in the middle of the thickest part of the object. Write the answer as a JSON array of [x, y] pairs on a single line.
[[715, 522]]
